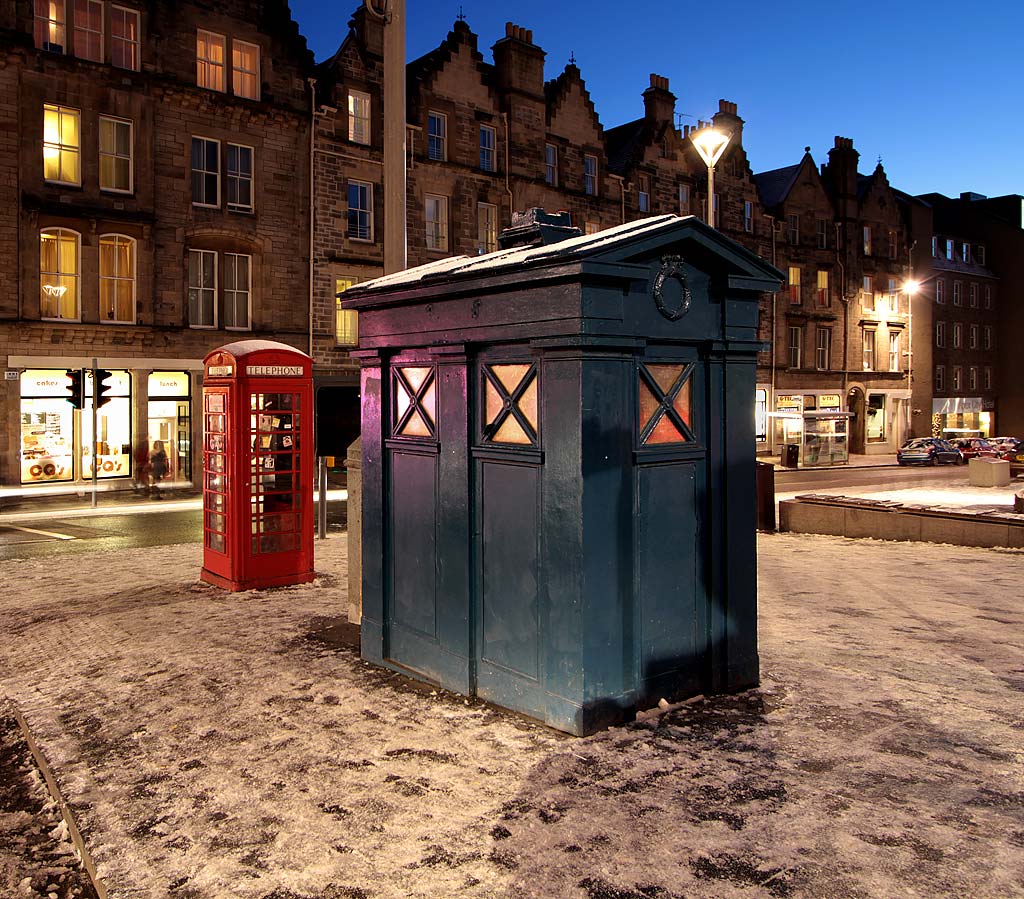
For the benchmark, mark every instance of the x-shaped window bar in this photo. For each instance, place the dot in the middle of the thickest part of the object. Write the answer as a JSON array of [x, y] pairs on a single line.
[[415, 396], [666, 405], [510, 404]]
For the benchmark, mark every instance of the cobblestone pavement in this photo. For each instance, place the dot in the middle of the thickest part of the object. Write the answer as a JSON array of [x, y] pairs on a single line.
[[216, 745]]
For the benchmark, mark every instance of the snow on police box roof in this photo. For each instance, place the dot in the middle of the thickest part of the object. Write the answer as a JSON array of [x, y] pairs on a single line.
[[562, 251]]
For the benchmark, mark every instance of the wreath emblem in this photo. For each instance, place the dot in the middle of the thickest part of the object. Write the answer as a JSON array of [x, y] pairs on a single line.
[[672, 267]]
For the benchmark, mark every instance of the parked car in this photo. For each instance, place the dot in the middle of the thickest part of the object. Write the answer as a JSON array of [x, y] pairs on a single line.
[[1006, 447], [929, 451], [975, 447]]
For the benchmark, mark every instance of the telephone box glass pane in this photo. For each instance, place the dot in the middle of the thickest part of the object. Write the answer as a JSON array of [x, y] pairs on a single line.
[[214, 476], [274, 478]]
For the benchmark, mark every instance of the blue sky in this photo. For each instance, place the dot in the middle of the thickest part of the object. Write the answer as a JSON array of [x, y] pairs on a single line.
[[933, 88]]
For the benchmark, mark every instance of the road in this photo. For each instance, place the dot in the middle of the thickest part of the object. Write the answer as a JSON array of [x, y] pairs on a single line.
[[67, 532], [38, 535], [889, 478]]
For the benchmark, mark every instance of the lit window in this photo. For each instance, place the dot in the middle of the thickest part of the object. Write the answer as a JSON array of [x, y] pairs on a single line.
[[590, 175], [239, 177], [245, 70], [940, 291], [89, 30], [894, 351], [124, 38], [551, 164], [210, 58], [958, 378], [894, 296], [358, 117], [823, 298], [205, 172], [487, 227], [487, 148], [202, 289], [58, 273], [643, 193], [823, 361], [437, 136], [61, 144], [867, 291], [965, 251], [972, 378], [117, 278], [684, 199], [48, 27], [794, 285], [748, 216], [867, 240], [940, 378], [796, 339], [360, 210], [949, 249], [436, 216], [869, 349], [115, 155], [822, 234], [237, 291], [346, 321]]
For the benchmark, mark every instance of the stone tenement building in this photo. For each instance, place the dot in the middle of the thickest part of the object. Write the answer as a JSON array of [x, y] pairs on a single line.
[[156, 161], [155, 194]]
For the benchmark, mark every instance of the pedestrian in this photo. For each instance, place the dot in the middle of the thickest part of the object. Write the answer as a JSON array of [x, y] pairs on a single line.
[[158, 466], [142, 467]]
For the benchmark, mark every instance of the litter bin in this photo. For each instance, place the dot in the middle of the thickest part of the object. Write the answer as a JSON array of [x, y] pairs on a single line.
[[790, 455], [765, 489]]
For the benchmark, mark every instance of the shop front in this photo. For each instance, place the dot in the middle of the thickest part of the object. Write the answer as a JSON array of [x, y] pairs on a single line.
[[960, 416], [56, 428]]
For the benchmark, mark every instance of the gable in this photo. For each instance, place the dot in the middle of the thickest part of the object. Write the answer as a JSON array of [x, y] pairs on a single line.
[[573, 117], [459, 78]]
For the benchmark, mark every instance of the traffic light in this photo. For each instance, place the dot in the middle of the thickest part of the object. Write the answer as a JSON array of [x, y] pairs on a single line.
[[74, 388], [103, 388]]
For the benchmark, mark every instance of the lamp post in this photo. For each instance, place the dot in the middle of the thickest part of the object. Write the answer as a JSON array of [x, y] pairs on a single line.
[[710, 144], [911, 289]]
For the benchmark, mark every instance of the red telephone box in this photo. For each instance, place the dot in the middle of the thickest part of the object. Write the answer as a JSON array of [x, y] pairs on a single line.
[[257, 466]]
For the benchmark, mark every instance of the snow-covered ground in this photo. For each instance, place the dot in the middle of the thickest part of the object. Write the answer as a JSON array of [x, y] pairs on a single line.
[[232, 745]]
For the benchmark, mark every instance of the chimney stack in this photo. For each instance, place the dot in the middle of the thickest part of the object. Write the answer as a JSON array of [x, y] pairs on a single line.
[[519, 62], [659, 101], [727, 120]]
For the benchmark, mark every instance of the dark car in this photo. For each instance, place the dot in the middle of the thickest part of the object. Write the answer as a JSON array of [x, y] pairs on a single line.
[[975, 448], [928, 451]]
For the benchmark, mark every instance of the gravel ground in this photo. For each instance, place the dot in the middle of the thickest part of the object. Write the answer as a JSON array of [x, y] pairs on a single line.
[[234, 745]]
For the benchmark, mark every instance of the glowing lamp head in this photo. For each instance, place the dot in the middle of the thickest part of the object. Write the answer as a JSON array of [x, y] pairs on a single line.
[[911, 287], [710, 144]]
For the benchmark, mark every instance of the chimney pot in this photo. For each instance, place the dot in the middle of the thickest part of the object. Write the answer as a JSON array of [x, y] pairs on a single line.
[[508, 29]]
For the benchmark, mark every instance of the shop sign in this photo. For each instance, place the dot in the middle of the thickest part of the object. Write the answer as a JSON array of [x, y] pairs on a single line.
[[11, 375], [44, 382], [168, 383], [220, 371], [119, 383], [953, 405], [275, 371], [789, 403], [829, 402]]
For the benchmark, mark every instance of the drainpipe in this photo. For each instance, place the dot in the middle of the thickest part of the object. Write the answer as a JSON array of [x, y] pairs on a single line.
[[508, 159], [845, 300], [312, 207]]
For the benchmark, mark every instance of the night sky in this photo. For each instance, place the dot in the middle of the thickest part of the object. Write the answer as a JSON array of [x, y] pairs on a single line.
[[933, 88]]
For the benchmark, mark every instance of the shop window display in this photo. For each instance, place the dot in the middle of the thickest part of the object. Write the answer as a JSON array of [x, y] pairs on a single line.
[[47, 428]]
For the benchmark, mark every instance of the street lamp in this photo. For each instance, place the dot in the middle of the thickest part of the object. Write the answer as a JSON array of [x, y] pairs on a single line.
[[911, 288], [710, 144]]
